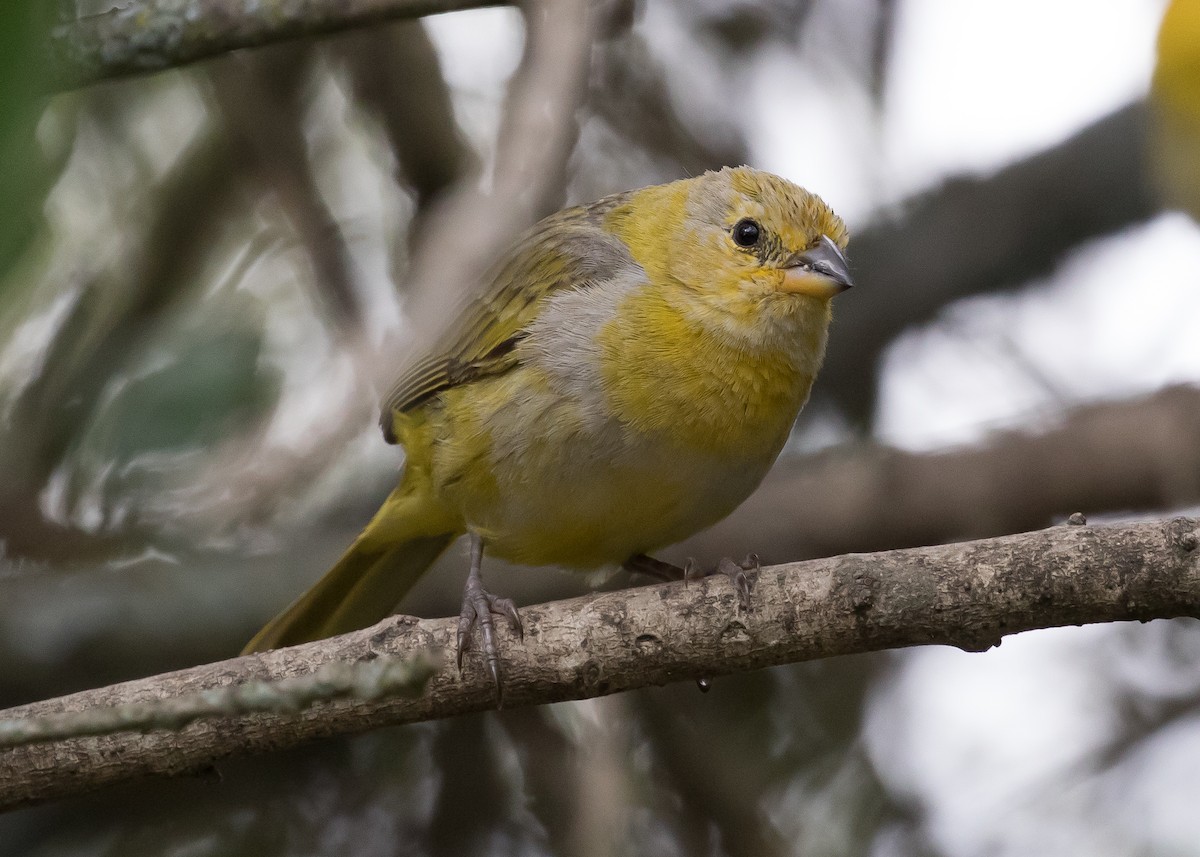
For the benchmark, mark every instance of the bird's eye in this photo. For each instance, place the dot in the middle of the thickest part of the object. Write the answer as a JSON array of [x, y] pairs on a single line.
[[746, 233]]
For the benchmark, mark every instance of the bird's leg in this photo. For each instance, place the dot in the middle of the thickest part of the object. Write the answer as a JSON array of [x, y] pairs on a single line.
[[735, 571], [656, 568], [478, 606]]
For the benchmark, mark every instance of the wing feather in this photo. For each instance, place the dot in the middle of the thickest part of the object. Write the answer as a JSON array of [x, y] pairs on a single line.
[[568, 250]]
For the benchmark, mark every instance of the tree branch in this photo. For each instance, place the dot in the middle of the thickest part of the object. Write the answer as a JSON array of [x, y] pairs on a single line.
[[397, 76], [260, 99], [968, 595], [337, 679], [981, 234], [150, 35], [537, 134], [1142, 453]]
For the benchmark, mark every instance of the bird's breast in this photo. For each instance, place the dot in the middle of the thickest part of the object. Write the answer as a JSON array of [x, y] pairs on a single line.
[[625, 427], [703, 382], [549, 483], [708, 381]]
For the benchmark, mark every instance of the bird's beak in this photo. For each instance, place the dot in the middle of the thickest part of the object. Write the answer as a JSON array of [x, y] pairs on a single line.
[[821, 272]]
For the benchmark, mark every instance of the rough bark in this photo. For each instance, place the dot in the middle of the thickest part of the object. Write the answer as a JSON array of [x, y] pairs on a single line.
[[968, 595]]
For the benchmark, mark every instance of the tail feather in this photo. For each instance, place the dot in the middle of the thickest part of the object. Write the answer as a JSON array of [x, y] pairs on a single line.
[[365, 585]]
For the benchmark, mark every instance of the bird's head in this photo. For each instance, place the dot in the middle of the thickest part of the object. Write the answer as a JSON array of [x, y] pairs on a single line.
[[746, 248]]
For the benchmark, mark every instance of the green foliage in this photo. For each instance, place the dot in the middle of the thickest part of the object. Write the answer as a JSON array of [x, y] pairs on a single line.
[[209, 390], [24, 89], [206, 385]]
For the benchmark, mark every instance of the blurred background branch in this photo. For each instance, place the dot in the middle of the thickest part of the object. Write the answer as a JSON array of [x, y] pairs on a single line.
[[1143, 453], [151, 35], [973, 235], [537, 134]]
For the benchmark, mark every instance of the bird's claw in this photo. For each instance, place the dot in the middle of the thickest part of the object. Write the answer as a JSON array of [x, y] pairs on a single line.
[[508, 609], [478, 608], [736, 572], [693, 570]]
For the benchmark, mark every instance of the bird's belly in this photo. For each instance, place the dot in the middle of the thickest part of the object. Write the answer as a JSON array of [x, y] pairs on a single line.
[[589, 512], [562, 489]]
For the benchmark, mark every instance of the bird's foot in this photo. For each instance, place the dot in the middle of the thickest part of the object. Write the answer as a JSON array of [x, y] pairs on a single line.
[[736, 572], [692, 570], [478, 608]]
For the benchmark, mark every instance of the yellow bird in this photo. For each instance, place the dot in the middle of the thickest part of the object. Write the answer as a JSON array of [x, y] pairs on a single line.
[[1175, 107], [626, 379]]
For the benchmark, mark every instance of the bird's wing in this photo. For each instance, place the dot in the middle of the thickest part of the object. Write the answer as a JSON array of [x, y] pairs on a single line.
[[567, 251]]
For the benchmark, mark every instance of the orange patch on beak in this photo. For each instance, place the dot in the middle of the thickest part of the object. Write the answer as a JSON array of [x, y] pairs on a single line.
[[821, 272]]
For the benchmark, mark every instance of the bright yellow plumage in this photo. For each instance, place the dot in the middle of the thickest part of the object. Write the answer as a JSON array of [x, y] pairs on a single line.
[[1175, 103], [627, 378]]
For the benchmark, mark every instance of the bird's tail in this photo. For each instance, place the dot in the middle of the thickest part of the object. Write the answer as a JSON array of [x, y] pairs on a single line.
[[386, 559]]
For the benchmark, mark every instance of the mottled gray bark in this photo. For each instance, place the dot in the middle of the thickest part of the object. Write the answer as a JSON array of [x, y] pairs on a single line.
[[968, 595]]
